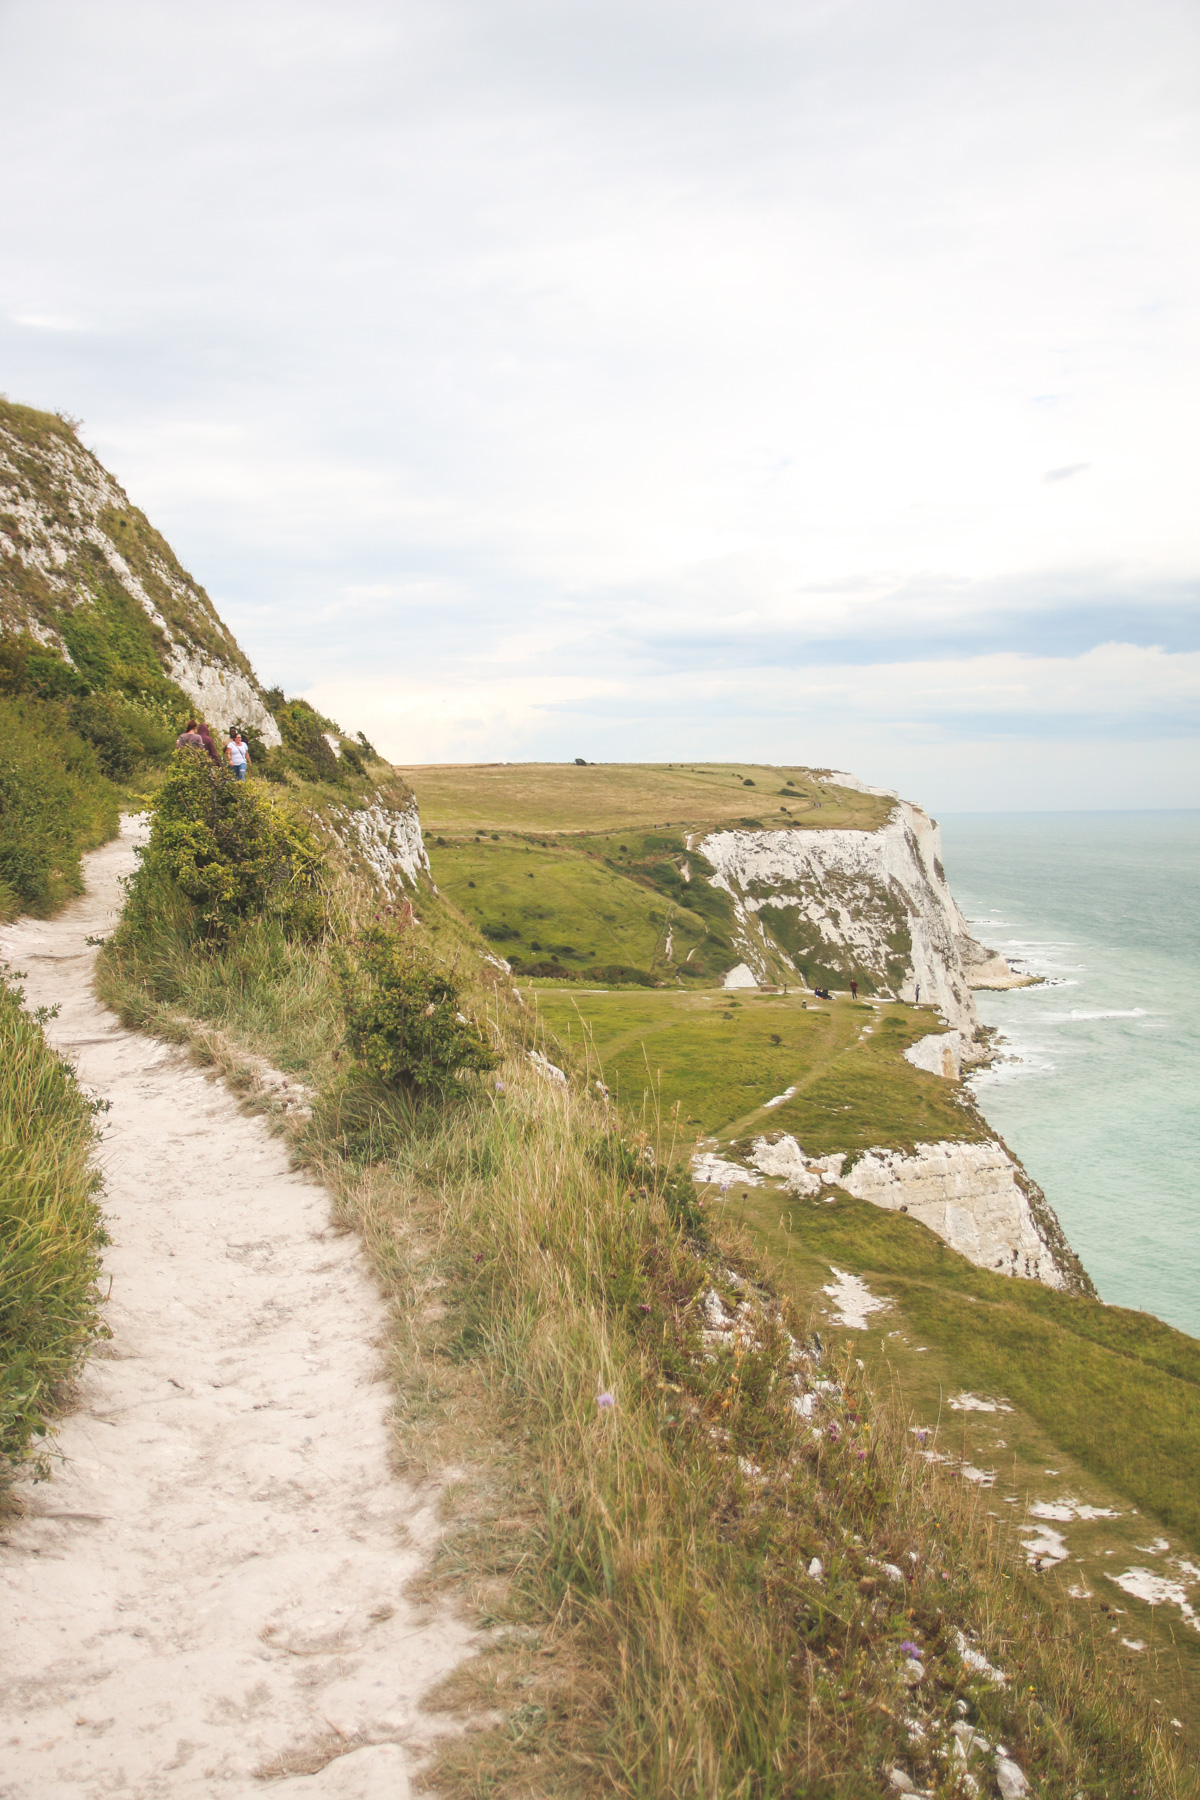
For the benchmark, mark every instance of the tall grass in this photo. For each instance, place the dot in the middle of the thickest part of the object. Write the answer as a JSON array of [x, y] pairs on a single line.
[[50, 1228]]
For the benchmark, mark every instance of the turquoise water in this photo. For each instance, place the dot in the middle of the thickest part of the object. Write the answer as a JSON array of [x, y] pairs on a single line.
[[1101, 1097]]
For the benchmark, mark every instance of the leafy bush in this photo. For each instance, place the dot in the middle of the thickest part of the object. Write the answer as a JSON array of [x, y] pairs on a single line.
[[123, 738], [403, 1016], [54, 804], [50, 1227], [231, 848]]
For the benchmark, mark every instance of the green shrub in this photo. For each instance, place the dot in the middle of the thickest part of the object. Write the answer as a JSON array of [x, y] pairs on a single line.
[[50, 1227], [403, 1015], [54, 804], [232, 848], [123, 738]]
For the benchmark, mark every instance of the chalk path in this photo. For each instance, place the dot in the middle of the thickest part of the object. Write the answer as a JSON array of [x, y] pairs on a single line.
[[215, 1576]]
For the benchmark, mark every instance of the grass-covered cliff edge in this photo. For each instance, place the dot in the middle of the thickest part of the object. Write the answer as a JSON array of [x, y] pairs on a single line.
[[723, 1543]]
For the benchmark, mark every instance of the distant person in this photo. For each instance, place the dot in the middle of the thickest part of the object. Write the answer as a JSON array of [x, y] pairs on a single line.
[[207, 740], [854, 990], [238, 755], [189, 738], [917, 1001]]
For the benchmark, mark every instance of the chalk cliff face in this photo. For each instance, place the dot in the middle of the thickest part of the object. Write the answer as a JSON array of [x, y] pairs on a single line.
[[385, 837], [85, 572], [835, 905], [974, 1196]]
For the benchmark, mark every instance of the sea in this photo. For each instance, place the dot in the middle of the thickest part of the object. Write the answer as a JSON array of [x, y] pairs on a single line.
[[1097, 1090]]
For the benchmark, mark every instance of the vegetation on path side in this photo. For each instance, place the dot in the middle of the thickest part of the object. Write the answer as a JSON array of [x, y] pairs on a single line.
[[698, 1589], [50, 1229]]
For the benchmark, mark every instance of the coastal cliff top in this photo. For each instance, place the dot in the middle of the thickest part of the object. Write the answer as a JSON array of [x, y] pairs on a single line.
[[564, 798]]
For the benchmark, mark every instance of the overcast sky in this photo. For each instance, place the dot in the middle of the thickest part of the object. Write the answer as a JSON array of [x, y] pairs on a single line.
[[807, 380]]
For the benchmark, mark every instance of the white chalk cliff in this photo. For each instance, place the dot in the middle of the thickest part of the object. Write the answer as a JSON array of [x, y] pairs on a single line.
[[874, 904], [387, 840], [974, 1196]]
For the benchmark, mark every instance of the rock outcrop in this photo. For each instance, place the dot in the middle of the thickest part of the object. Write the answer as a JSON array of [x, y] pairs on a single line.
[[83, 571], [832, 906], [974, 1196], [386, 837]]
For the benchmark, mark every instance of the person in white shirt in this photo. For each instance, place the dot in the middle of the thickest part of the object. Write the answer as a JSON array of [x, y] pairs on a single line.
[[238, 755]]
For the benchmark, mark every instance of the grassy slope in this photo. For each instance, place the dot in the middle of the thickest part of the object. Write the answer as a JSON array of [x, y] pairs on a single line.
[[1110, 1393], [665, 1637]]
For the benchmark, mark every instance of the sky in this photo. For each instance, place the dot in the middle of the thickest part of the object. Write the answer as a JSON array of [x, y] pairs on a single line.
[[811, 381]]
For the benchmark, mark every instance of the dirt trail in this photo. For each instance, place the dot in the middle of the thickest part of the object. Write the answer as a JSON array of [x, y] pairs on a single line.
[[214, 1579]]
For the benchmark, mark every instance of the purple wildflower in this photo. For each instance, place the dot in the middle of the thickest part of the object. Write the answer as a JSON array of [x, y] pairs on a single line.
[[605, 1400], [911, 1649]]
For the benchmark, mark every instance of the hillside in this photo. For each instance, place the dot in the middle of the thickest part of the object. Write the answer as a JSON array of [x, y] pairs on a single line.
[[85, 574], [805, 1120]]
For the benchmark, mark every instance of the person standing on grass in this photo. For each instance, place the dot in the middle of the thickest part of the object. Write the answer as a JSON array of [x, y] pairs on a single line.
[[238, 754], [854, 990], [189, 738]]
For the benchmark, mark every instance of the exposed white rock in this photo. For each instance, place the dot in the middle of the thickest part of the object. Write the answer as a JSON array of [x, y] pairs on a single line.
[[222, 694], [740, 977], [388, 839], [1045, 1547], [853, 1299], [707, 1168], [970, 1196], [546, 1068], [857, 890], [1160, 1590], [938, 1054], [784, 1158]]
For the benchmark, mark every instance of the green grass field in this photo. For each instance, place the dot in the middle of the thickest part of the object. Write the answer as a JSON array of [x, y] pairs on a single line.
[[601, 797]]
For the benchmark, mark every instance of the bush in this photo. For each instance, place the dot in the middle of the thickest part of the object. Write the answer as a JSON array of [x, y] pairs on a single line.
[[54, 804], [123, 738], [403, 1016], [231, 848]]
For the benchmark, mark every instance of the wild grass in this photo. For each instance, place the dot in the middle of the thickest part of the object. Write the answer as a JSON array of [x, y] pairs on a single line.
[[650, 1559], [645, 1563], [50, 1228], [1117, 1389]]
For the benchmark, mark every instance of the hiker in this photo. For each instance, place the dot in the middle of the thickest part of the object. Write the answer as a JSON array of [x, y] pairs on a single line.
[[917, 1001], [206, 740], [189, 738], [237, 754], [854, 990]]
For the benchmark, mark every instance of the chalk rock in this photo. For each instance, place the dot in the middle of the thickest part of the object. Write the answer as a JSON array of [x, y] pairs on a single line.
[[862, 892], [938, 1054], [740, 976], [387, 839], [970, 1196], [1010, 1780], [785, 1158]]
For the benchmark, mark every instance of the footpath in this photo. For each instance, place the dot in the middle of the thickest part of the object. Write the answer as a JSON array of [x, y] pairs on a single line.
[[211, 1589]]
